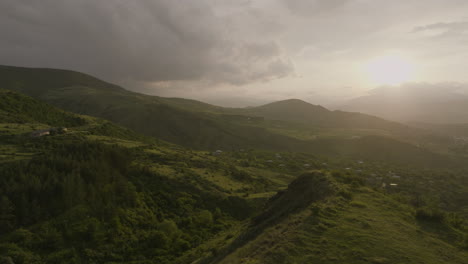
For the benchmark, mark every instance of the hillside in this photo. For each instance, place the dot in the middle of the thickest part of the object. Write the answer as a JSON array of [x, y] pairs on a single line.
[[100, 193], [153, 116], [368, 227], [299, 111], [305, 128], [85, 94]]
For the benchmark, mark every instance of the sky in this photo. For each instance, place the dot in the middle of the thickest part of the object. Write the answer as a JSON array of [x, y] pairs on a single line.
[[243, 52]]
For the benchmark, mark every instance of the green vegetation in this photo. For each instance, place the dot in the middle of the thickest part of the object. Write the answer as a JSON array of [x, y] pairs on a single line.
[[281, 189], [357, 225], [280, 126]]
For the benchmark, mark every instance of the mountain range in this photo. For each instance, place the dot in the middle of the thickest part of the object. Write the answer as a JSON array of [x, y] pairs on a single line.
[[442, 104], [123, 177]]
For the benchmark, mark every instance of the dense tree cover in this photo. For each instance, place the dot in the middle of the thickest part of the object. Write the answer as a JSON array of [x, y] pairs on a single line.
[[86, 203], [18, 108]]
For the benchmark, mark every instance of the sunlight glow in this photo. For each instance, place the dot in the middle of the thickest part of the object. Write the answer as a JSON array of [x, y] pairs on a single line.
[[391, 69]]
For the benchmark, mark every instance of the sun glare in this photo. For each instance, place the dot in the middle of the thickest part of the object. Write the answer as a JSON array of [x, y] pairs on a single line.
[[390, 69]]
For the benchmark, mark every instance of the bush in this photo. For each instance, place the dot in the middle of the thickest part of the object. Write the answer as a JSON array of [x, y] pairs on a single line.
[[432, 215]]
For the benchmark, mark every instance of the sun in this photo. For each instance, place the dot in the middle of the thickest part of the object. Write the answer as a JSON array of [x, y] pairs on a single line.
[[391, 69]]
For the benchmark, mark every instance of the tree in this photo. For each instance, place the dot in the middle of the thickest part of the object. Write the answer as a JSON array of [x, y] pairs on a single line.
[[7, 217]]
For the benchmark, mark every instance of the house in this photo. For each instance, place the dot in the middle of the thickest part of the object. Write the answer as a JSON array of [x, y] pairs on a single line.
[[269, 161], [307, 165], [40, 133]]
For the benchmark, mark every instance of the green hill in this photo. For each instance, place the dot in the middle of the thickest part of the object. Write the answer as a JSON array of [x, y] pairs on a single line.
[[162, 117], [299, 111], [17, 108], [100, 193], [370, 227], [305, 127], [150, 115]]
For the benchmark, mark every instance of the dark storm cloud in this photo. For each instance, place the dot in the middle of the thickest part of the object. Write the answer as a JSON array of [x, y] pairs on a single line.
[[145, 40]]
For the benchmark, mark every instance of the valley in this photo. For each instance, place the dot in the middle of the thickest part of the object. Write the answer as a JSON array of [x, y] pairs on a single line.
[[132, 178]]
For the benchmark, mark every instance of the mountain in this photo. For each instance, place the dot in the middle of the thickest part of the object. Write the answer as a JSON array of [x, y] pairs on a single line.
[[295, 110], [101, 193], [202, 126], [446, 103], [85, 94], [163, 118]]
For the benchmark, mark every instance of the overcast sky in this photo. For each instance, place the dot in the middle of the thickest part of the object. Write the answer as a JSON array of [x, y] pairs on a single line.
[[238, 51]]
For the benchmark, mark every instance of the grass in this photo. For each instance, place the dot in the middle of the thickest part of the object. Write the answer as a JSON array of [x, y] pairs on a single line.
[[112, 140], [17, 129], [373, 228], [9, 153]]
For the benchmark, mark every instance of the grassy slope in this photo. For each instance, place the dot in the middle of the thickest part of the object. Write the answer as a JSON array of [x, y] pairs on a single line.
[[150, 115], [372, 228], [339, 232], [215, 182]]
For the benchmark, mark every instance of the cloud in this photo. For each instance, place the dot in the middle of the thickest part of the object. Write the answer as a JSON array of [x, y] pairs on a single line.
[[141, 41], [313, 7], [443, 29]]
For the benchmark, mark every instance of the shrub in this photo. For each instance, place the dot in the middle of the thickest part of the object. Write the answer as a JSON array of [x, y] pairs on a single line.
[[432, 215]]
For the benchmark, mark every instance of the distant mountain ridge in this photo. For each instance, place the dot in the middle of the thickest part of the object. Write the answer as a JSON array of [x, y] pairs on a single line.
[[426, 103], [82, 93], [199, 125]]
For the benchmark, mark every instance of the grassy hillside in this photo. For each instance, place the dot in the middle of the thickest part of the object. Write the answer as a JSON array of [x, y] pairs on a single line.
[[303, 112], [308, 224], [150, 115], [308, 128], [100, 193], [17, 108]]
